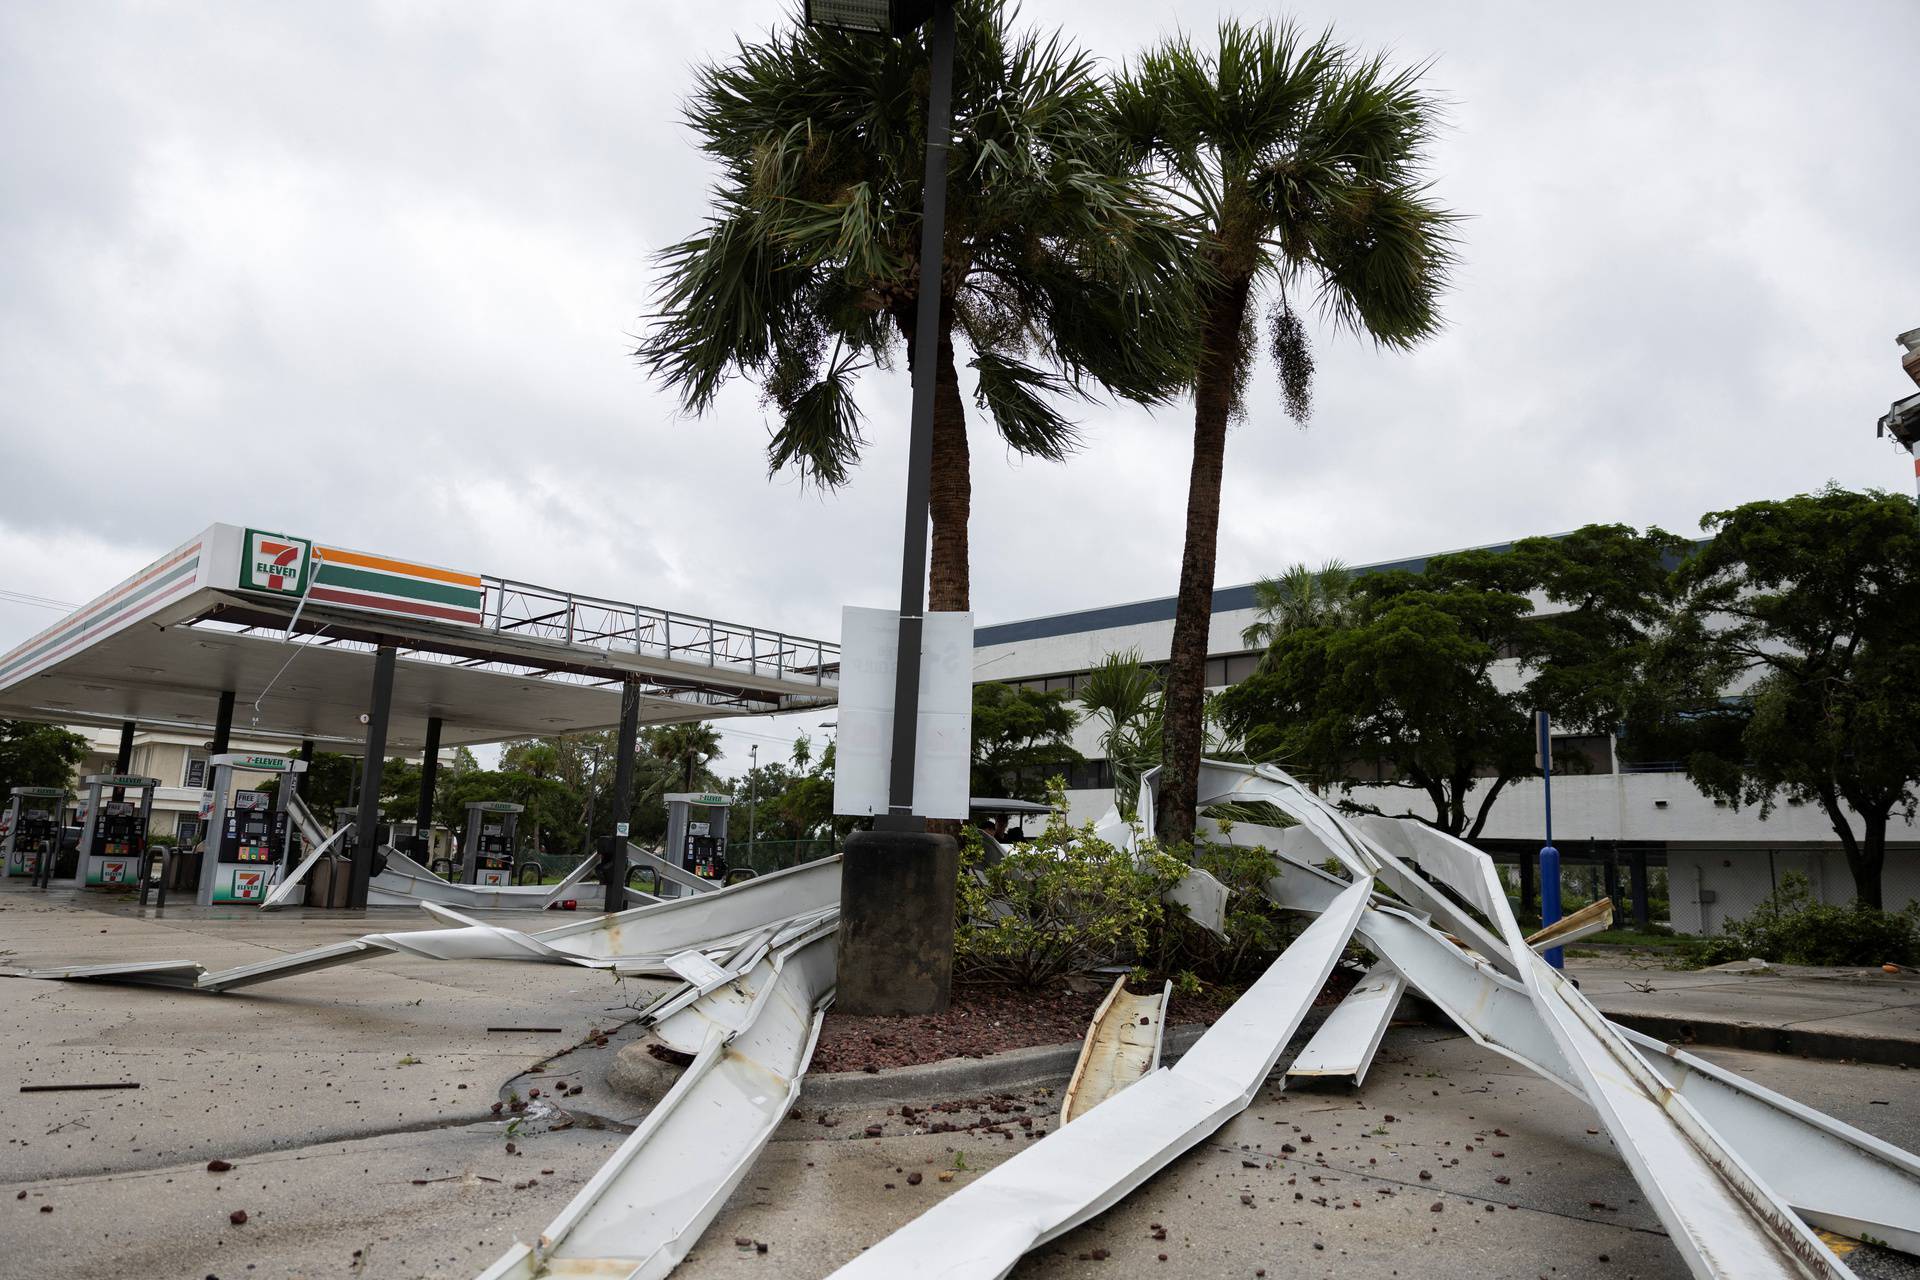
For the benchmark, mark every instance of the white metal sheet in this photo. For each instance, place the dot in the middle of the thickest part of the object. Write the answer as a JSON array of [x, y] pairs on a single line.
[[1081, 1169], [646, 1207], [1346, 1042]]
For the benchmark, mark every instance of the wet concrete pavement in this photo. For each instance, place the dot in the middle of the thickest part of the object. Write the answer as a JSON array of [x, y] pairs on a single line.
[[337, 1098]]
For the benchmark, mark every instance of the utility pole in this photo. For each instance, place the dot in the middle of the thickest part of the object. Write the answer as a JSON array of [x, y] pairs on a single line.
[[895, 942], [1549, 856], [753, 801]]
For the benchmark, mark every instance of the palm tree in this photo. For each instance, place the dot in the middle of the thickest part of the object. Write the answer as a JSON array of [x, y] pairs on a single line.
[[686, 748], [1123, 694], [1062, 275], [1299, 166], [1297, 599]]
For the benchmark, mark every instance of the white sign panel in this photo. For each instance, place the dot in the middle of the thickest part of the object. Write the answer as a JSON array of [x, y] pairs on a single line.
[[863, 749]]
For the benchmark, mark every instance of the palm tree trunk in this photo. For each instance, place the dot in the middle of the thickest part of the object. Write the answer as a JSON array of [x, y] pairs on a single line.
[[950, 487], [1225, 312], [950, 484]]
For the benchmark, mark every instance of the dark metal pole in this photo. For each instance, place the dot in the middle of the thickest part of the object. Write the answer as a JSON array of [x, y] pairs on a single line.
[[1637, 870], [616, 860], [1529, 894], [900, 814], [367, 822], [429, 777], [223, 725], [123, 758]]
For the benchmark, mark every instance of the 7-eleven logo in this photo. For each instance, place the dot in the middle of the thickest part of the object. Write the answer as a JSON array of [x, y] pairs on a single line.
[[274, 562]]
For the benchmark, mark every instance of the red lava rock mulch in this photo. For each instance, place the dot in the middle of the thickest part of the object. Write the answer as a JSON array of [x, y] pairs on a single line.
[[987, 1019]]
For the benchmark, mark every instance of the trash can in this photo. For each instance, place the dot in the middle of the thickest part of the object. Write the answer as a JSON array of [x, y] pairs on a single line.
[[186, 870]]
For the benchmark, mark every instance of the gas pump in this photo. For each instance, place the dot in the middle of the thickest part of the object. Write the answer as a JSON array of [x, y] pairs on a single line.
[[33, 828], [251, 834], [486, 851], [113, 833], [697, 832]]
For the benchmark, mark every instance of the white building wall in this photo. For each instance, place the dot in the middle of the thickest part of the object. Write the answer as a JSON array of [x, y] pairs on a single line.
[[1732, 856]]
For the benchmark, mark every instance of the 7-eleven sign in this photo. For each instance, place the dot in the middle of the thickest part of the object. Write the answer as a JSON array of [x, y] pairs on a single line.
[[275, 563]]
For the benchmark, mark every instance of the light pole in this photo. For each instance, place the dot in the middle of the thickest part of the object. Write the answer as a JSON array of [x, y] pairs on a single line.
[[753, 802], [1549, 856], [895, 941]]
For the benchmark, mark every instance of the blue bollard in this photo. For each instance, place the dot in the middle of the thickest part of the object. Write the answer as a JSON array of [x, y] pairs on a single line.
[[1550, 898]]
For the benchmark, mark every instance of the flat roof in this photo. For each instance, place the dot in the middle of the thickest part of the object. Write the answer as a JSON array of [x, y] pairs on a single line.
[[1161, 609], [290, 624]]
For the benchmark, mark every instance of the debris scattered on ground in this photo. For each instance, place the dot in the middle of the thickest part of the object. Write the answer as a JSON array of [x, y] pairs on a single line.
[[218, 1166], [983, 1019], [78, 1088]]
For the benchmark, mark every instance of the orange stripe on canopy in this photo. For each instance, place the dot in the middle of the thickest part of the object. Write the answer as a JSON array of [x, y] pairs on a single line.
[[335, 555]]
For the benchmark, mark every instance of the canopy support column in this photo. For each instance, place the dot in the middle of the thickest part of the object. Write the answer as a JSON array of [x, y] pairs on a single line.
[[429, 778], [367, 822], [123, 758], [616, 861]]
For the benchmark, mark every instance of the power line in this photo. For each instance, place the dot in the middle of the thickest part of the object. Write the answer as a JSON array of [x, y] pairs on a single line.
[[38, 602]]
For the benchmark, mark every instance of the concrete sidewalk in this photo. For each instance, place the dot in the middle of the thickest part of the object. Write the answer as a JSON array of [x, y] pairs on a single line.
[[1866, 1015], [354, 1106]]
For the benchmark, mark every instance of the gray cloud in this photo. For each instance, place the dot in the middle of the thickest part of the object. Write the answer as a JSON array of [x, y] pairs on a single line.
[[369, 271]]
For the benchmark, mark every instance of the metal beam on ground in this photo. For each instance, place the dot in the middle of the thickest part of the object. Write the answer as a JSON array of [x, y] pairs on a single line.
[[635, 941], [667, 870], [1833, 1175], [1122, 1047], [641, 1213], [1082, 1169], [1724, 1220], [1344, 1046], [1595, 917]]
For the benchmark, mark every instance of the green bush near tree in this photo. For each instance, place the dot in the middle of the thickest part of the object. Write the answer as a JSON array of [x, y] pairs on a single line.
[[1791, 927], [1065, 903]]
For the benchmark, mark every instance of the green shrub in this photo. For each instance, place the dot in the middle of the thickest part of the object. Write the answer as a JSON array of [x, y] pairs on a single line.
[[1790, 927], [1257, 931], [1064, 903]]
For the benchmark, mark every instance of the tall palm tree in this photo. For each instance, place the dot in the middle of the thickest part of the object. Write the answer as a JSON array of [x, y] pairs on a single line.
[[1062, 276], [1299, 598], [1299, 165]]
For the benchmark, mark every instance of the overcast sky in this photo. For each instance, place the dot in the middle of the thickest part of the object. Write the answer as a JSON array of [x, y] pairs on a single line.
[[369, 272]]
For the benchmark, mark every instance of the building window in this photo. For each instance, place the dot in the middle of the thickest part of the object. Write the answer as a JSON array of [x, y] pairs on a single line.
[[1240, 666]]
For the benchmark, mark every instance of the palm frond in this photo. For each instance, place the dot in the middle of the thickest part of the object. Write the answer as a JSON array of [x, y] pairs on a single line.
[[819, 433], [1019, 398]]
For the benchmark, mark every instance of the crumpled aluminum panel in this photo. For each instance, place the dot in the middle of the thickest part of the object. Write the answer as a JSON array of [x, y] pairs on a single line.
[[1080, 1170]]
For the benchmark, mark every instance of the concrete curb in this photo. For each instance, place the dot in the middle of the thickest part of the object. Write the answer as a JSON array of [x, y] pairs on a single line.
[[1803, 1042], [1043, 1066]]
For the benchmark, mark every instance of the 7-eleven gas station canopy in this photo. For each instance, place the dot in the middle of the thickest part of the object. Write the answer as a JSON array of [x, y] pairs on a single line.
[[298, 620]]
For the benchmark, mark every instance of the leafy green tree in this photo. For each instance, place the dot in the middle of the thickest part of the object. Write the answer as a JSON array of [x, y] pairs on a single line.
[[1430, 681], [1300, 597], [1014, 732], [1298, 164], [1810, 608], [551, 819], [37, 755], [1061, 275]]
